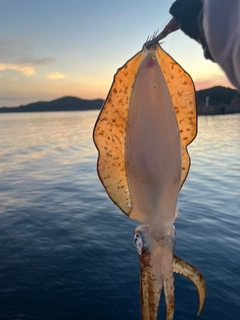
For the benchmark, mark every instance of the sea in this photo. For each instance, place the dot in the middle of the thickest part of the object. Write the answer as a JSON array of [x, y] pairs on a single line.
[[66, 251]]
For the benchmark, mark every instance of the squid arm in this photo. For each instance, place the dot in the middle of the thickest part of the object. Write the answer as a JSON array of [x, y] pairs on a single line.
[[189, 271]]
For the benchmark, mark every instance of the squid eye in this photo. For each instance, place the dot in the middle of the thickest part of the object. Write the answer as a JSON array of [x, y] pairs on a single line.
[[138, 243]]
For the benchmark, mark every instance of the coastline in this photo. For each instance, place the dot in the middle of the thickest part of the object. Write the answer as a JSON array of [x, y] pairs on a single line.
[[217, 110], [201, 110]]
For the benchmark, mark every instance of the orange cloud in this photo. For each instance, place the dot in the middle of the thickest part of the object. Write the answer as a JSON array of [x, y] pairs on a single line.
[[25, 69], [26, 66]]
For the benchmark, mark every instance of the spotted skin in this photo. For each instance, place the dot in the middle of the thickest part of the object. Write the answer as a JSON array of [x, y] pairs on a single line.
[[109, 135], [182, 92], [110, 127]]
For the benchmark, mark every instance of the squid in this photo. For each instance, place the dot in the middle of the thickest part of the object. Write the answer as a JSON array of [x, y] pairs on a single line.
[[142, 132]]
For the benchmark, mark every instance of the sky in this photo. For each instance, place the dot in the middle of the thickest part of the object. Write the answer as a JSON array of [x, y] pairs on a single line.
[[55, 48]]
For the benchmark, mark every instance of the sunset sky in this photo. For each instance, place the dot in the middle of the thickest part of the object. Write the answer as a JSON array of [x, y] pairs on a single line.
[[53, 48]]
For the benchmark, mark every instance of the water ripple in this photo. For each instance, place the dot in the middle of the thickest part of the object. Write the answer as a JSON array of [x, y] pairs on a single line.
[[67, 251]]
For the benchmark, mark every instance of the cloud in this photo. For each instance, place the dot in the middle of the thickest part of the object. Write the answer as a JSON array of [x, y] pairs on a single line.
[[56, 76], [17, 55], [27, 68], [35, 62], [17, 51]]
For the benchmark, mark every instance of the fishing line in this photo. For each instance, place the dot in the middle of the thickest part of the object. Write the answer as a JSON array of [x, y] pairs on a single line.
[[165, 23]]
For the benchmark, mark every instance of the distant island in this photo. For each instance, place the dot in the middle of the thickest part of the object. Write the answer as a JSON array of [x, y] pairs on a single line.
[[216, 100], [62, 104]]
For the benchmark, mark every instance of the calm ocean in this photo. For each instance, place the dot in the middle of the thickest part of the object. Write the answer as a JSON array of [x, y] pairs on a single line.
[[67, 252]]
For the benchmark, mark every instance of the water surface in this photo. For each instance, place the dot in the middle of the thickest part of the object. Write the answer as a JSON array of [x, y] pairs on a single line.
[[66, 251]]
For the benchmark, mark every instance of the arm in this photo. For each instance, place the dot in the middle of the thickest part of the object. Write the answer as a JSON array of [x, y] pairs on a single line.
[[215, 24], [188, 15]]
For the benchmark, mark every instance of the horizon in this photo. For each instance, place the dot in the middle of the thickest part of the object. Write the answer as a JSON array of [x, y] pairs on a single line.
[[70, 96], [48, 49]]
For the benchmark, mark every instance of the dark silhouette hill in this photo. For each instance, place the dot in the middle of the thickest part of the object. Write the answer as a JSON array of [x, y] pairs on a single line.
[[217, 96], [62, 104]]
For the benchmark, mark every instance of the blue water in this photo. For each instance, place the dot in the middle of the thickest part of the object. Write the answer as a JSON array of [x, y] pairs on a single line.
[[66, 251]]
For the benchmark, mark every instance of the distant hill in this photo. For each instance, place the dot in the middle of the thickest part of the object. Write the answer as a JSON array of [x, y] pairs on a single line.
[[62, 104], [217, 96]]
